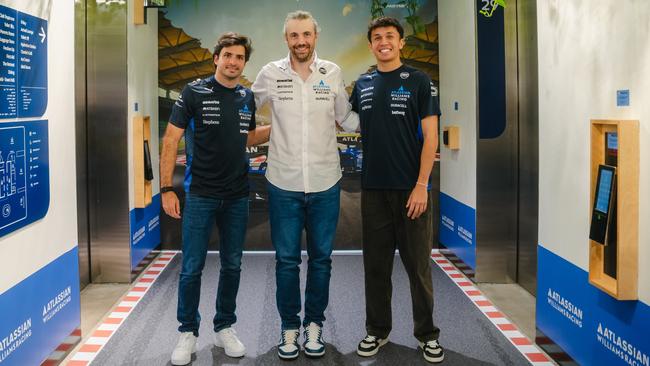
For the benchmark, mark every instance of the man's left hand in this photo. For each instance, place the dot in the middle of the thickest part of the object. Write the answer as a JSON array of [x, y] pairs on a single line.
[[417, 202]]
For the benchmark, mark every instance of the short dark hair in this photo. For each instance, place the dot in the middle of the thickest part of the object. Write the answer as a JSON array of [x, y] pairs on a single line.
[[385, 22], [229, 39]]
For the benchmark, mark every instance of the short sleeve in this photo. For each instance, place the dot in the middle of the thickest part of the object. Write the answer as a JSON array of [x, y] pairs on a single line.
[[354, 99], [427, 98], [182, 110], [253, 124]]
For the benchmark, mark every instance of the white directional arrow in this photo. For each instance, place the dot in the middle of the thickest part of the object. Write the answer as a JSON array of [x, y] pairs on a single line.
[[42, 34]]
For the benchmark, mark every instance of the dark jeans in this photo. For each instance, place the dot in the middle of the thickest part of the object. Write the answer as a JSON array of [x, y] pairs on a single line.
[[290, 213], [385, 228], [199, 216]]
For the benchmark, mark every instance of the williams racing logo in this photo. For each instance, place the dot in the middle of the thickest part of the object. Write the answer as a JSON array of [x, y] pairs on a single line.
[[400, 94], [322, 88], [245, 113]]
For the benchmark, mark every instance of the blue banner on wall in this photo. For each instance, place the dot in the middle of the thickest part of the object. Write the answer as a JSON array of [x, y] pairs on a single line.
[[40, 312], [23, 54], [491, 50], [24, 174], [591, 326], [458, 229], [145, 230]]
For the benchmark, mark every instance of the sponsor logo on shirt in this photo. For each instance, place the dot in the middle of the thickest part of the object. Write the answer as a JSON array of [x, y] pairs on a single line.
[[400, 95], [434, 89], [404, 75], [322, 88], [242, 92], [245, 113]]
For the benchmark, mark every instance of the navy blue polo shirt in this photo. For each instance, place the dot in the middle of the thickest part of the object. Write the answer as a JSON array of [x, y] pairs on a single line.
[[391, 106], [216, 120]]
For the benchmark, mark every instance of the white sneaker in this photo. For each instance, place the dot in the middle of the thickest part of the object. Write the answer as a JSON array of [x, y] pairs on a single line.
[[186, 345], [227, 339], [288, 348], [314, 346]]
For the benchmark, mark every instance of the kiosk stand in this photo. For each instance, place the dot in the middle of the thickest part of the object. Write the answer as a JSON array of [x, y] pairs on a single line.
[[614, 229]]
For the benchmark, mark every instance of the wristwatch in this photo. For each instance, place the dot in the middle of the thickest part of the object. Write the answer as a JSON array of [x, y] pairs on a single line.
[[166, 189]]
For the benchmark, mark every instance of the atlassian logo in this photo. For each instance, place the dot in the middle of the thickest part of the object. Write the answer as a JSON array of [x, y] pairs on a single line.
[[56, 304], [245, 113], [322, 86], [13, 340], [623, 349], [401, 92], [565, 307]]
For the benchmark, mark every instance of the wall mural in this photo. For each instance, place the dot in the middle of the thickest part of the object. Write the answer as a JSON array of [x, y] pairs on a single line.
[[188, 31]]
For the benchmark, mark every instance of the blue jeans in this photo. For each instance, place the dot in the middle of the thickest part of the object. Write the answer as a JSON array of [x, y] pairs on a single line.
[[199, 216], [290, 213]]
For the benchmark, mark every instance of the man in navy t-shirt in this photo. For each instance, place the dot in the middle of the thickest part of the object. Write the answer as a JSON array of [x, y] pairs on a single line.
[[217, 116], [398, 111]]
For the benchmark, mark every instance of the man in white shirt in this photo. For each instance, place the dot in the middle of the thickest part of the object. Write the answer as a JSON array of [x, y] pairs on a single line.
[[307, 96]]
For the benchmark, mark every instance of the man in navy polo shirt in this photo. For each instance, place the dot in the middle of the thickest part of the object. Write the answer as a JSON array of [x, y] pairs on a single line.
[[217, 116], [399, 128]]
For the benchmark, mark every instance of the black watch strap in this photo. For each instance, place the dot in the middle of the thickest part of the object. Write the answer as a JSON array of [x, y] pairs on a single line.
[[166, 189]]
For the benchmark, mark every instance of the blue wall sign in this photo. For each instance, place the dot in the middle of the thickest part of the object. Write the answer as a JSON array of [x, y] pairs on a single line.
[[145, 230], [458, 229], [590, 326], [491, 53], [39, 312], [24, 174], [23, 54], [623, 98]]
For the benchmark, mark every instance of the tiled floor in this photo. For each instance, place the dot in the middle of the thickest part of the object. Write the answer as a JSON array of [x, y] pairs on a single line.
[[515, 302]]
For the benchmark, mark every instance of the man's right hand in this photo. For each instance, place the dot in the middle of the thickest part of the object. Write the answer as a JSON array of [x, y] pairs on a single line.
[[171, 205]]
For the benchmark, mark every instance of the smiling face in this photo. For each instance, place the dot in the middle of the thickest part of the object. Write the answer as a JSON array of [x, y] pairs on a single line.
[[301, 38], [385, 44], [231, 61]]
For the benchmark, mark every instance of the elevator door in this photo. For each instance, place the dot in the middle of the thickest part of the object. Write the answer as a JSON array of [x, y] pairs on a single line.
[[507, 159], [528, 146]]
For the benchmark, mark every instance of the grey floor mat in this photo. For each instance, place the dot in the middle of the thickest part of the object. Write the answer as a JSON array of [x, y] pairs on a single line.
[[149, 334]]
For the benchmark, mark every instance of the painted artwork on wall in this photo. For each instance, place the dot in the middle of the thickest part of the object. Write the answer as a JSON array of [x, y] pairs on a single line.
[[188, 31]]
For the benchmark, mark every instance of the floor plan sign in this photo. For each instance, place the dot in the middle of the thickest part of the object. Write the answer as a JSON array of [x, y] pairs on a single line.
[[24, 174]]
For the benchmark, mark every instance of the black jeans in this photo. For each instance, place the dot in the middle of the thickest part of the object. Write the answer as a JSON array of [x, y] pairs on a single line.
[[386, 228]]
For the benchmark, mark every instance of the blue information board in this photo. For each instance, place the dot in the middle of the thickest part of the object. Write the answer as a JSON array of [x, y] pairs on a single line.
[[23, 54], [24, 174]]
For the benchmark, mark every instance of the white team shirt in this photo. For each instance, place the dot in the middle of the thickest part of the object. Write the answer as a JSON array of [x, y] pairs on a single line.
[[303, 154]]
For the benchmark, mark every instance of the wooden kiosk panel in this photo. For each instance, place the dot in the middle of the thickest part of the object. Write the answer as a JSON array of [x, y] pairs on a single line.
[[141, 133], [625, 285], [451, 137]]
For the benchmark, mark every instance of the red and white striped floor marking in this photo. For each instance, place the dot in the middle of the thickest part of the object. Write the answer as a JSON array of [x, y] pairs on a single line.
[[62, 350], [527, 348], [87, 352]]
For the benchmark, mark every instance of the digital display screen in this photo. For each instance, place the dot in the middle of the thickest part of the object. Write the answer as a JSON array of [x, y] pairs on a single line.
[[612, 141], [604, 190]]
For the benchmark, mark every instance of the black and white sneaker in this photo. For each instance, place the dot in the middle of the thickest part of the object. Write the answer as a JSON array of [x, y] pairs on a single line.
[[314, 346], [369, 346], [288, 349], [432, 351]]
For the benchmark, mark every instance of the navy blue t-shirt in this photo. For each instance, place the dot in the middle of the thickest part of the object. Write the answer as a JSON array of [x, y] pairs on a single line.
[[391, 106], [216, 120]]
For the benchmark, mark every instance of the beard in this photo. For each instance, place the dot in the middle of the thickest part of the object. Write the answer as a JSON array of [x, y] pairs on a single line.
[[304, 57], [228, 73]]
